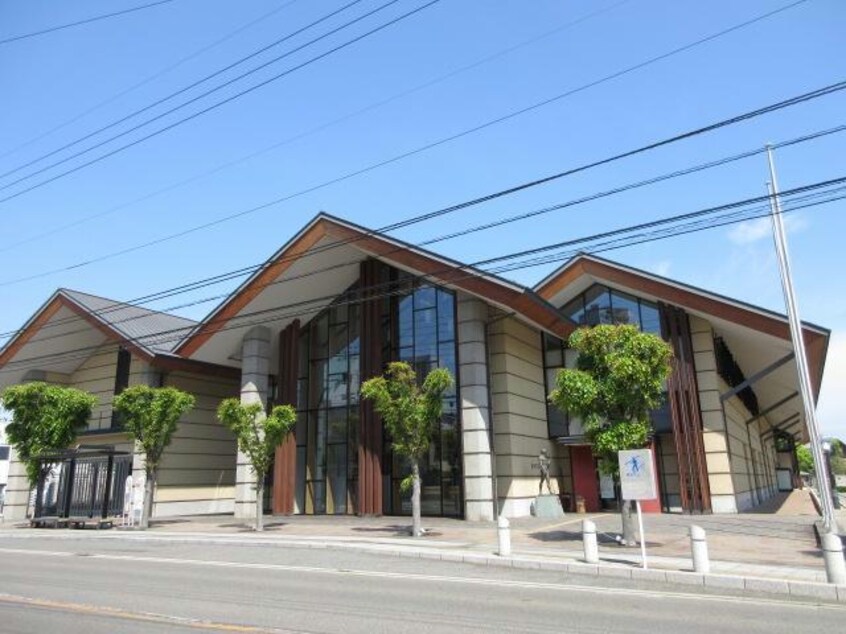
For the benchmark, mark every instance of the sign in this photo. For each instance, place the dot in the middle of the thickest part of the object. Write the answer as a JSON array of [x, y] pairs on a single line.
[[637, 475]]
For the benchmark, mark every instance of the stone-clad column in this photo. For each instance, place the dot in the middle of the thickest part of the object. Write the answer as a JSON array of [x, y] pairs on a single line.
[[475, 411], [255, 367]]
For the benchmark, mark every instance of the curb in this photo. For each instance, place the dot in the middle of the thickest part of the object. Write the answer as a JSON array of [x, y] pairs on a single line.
[[762, 585]]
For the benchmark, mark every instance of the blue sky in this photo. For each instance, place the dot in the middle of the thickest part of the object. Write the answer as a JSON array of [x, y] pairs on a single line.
[[51, 79]]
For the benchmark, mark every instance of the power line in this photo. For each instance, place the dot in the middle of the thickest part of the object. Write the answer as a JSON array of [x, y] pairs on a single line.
[[214, 106], [373, 106], [773, 107], [179, 333], [96, 18], [657, 229], [432, 145], [149, 78], [185, 89]]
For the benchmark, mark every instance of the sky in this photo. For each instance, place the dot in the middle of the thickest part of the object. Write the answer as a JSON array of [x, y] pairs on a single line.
[[449, 68]]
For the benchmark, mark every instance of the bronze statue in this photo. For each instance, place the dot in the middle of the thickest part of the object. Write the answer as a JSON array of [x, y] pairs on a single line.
[[543, 464]]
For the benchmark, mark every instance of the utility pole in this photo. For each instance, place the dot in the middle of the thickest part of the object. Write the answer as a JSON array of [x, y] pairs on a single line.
[[805, 388]]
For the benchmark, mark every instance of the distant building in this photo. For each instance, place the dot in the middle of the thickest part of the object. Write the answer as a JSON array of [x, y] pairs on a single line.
[[339, 301]]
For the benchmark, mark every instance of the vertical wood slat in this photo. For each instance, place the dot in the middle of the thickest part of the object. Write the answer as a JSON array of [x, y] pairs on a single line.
[[370, 424], [285, 464], [683, 393]]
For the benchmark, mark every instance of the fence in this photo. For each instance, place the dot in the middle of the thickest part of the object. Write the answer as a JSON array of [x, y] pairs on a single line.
[[81, 485]]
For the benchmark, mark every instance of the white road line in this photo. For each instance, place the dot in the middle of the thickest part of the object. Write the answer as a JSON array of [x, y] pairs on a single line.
[[405, 576]]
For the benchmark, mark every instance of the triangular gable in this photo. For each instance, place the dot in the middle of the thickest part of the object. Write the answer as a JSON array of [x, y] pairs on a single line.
[[520, 300]]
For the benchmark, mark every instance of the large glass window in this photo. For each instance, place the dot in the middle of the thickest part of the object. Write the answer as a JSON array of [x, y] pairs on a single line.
[[424, 323], [327, 400]]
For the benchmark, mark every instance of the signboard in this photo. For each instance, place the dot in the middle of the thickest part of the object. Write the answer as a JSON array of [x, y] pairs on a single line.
[[637, 475]]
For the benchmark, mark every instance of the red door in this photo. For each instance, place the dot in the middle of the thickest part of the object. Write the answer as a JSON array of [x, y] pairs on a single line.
[[584, 477]]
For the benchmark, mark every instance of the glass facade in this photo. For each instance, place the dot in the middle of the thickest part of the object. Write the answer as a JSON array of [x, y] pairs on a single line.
[[418, 326], [420, 329], [327, 400], [597, 305]]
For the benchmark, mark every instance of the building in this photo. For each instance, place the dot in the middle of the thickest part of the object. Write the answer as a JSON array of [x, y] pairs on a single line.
[[338, 301]]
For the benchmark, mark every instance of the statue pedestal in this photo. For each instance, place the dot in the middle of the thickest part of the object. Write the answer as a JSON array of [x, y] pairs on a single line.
[[547, 507]]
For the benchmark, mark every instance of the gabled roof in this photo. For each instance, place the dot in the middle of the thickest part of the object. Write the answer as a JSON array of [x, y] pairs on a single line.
[[145, 332], [335, 232], [558, 286]]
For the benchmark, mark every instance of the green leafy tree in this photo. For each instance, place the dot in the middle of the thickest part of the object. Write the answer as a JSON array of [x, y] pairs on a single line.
[[409, 411], [258, 436], [618, 380], [805, 459], [45, 418], [150, 415]]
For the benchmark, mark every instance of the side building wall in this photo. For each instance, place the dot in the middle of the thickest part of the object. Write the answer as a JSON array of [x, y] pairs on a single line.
[[519, 417], [197, 474], [741, 467]]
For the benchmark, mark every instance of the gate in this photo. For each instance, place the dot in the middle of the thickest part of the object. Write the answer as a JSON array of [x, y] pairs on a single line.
[[81, 485]]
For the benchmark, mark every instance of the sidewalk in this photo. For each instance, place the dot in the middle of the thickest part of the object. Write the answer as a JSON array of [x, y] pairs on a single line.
[[773, 552]]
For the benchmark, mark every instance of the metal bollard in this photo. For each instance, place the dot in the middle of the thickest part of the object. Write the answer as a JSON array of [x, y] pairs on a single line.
[[589, 540], [835, 565], [503, 530], [699, 550]]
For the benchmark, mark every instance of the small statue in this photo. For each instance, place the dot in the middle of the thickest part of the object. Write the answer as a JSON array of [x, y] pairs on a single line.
[[543, 464]]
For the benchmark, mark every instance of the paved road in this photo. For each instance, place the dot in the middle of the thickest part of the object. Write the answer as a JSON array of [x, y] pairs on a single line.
[[94, 586]]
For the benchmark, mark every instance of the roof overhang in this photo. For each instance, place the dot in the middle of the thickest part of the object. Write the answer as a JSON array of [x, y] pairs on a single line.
[[322, 261]]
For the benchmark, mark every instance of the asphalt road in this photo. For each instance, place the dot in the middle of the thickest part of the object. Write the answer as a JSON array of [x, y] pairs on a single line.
[[54, 584]]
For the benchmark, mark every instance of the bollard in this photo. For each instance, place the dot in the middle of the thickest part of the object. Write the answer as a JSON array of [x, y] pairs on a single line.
[[835, 565], [589, 539], [699, 550], [503, 530]]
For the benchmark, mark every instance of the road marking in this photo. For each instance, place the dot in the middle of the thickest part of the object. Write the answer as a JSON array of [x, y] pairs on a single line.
[[410, 576], [127, 615]]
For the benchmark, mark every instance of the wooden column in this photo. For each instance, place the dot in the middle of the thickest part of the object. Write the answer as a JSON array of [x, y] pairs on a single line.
[[285, 465], [370, 424], [683, 395]]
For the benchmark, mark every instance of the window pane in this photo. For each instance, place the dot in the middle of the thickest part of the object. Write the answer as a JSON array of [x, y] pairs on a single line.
[[355, 379], [625, 309], [597, 306], [424, 297], [425, 341], [650, 318], [571, 359], [446, 316], [338, 425], [406, 322], [575, 310]]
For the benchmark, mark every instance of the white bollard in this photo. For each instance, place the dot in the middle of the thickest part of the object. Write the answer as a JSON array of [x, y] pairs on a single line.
[[503, 530], [835, 565], [699, 550], [589, 540]]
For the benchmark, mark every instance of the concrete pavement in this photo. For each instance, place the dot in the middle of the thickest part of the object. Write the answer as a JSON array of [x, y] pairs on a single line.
[[107, 585]]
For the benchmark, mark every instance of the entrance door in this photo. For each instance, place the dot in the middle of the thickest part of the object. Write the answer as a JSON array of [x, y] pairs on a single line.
[[585, 482]]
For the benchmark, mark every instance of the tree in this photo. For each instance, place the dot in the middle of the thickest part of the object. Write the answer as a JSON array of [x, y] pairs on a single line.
[[409, 412], [258, 436], [150, 415], [618, 380], [805, 459], [45, 418]]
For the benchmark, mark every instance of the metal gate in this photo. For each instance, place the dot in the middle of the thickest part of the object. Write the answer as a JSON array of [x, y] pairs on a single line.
[[81, 485]]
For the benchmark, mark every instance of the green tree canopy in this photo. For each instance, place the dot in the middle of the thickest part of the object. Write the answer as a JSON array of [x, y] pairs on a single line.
[[618, 381], [258, 436], [150, 415], [45, 418], [409, 412], [805, 459]]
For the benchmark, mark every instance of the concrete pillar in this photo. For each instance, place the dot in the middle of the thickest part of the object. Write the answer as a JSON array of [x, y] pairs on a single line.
[[255, 367], [475, 410], [17, 491]]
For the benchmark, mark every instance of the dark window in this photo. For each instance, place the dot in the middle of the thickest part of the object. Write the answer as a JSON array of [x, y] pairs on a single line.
[[4, 452], [124, 361]]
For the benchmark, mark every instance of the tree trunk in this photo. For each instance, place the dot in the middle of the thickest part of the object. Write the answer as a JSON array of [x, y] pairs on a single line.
[[259, 504], [416, 528], [628, 519], [149, 491]]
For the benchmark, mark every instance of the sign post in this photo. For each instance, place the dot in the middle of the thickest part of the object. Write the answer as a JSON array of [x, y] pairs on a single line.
[[637, 482]]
